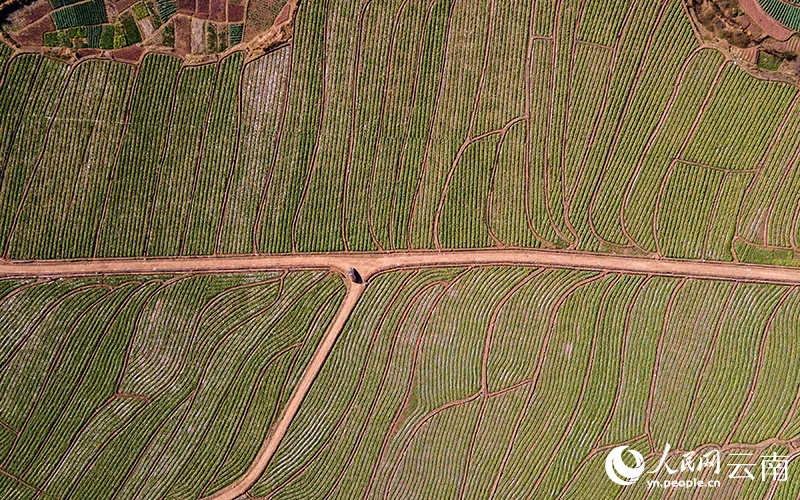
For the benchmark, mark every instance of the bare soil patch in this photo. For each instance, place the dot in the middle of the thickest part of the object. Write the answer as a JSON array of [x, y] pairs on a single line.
[[183, 34], [761, 45], [198, 36], [33, 35]]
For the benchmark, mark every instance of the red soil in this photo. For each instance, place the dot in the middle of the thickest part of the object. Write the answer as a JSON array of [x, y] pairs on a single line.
[[235, 13], [202, 9], [88, 52], [129, 54], [186, 6], [124, 4], [284, 14], [770, 25], [183, 34], [218, 10], [37, 12], [33, 35]]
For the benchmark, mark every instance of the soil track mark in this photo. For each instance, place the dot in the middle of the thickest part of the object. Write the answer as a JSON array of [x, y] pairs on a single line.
[[371, 263]]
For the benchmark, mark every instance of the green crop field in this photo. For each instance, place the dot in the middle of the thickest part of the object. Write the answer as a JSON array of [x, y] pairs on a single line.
[[140, 387], [400, 249], [548, 370], [509, 381], [411, 125]]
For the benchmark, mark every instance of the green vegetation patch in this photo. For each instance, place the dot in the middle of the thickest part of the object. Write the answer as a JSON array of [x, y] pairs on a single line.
[[235, 33], [108, 379], [168, 36], [52, 39], [769, 61], [93, 34], [760, 255], [107, 37], [70, 37], [86, 13], [140, 10], [166, 9], [130, 29]]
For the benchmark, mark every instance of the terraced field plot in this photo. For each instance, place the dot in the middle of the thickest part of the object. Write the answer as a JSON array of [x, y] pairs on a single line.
[[516, 382], [145, 387], [413, 124]]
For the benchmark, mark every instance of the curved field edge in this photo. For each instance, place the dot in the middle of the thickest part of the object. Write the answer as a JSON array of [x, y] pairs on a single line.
[[517, 381], [544, 125], [150, 385]]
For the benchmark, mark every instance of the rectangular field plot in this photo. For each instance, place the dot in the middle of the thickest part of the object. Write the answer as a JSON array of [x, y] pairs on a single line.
[[149, 387], [516, 383]]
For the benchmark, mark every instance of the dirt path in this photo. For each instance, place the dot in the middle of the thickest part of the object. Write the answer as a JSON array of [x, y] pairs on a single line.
[[368, 265], [372, 263]]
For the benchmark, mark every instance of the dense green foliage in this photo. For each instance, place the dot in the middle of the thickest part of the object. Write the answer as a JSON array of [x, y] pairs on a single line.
[[83, 13], [149, 387]]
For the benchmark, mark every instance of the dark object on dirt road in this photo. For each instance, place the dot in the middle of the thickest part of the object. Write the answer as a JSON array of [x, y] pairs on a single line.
[[354, 276]]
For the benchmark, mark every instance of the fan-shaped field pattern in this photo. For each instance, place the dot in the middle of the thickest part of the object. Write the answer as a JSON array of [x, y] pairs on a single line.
[[515, 382], [397, 124], [149, 387]]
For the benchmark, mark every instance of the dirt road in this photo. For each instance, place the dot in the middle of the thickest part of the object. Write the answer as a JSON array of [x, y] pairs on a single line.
[[368, 265]]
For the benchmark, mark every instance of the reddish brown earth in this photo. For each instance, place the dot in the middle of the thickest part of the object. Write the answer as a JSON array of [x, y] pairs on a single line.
[[183, 34], [285, 14], [124, 4], [186, 6], [202, 9], [38, 12], [88, 52], [33, 35], [129, 54], [764, 21], [218, 10], [235, 13]]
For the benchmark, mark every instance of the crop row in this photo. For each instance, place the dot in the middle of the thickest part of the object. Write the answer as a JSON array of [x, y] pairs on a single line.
[[517, 381], [151, 386]]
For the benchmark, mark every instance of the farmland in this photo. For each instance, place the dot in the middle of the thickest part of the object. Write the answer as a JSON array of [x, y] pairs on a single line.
[[548, 370], [514, 380], [149, 386], [394, 249], [434, 125]]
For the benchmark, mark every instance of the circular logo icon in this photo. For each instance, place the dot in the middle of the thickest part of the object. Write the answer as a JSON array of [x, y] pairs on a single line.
[[620, 473]]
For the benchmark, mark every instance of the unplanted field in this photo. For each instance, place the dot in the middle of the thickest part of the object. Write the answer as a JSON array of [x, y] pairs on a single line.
[[590, 125], [149, 387], [516, 382]]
